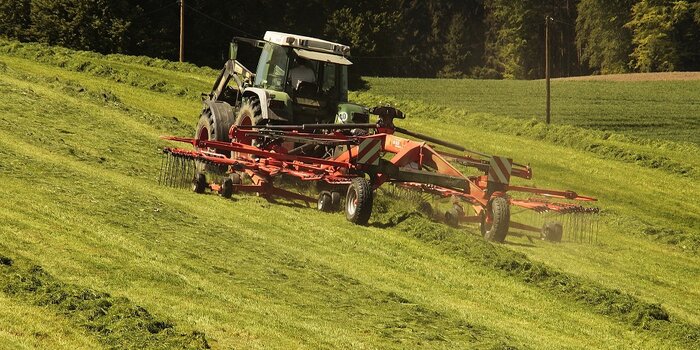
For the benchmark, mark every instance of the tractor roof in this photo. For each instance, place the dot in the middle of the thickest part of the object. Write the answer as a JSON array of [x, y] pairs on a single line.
[[307, 43]]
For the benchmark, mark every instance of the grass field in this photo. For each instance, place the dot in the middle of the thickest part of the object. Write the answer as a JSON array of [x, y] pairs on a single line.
[[657, 110], [93, 253]]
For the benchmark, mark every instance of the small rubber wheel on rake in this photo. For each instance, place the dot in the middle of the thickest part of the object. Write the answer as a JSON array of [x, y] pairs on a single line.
[[452, 216], [199, 184], [497, 229], [325, 202], [358, 201], [335, 199], [228, 186], [552, 231]]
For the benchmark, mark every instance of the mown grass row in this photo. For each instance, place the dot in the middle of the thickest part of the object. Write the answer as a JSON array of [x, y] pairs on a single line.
[[613, 303], [118, 68], [116, 321]]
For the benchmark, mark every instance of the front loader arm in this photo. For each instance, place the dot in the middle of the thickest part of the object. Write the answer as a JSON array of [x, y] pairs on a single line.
[[233, 70]]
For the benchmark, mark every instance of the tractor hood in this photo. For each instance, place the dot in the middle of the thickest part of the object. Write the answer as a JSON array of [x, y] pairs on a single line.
[[323, 57]]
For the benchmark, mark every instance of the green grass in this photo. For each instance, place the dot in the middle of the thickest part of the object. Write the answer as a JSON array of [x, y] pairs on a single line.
[[659, 110], [79, 159]]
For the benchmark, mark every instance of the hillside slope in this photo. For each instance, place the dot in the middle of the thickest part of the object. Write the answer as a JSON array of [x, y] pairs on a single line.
[[99, 255]]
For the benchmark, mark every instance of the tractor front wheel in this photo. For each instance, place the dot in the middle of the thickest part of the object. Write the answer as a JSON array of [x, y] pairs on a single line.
[[211, 128], [499, 211], [249, 115], [358, 201]]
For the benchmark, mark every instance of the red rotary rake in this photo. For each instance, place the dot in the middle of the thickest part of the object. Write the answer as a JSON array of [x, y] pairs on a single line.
[[354, 160]]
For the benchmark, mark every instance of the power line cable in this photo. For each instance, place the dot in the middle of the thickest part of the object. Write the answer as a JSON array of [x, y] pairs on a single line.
[[562, 22], [154, 11], [380, 57], [218, 21]]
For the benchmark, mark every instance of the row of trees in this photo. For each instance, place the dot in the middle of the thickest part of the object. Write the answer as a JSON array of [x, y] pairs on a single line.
[[478, 38]]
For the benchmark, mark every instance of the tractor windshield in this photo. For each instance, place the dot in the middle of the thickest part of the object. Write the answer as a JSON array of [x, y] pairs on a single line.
[[272, 67]]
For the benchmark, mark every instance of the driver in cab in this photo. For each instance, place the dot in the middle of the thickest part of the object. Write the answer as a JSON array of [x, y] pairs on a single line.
[[302, 71]]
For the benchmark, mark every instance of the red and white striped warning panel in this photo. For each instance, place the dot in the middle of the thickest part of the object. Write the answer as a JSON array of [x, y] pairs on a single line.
[[499, 169], [369, 151]]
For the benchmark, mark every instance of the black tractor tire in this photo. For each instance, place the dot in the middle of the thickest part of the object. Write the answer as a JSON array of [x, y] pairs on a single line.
[[226, 189], [552, 231], [199, 184], [358, 201], [249, 114], [213, 128], [335, 199], [325, 202], [499, 208]]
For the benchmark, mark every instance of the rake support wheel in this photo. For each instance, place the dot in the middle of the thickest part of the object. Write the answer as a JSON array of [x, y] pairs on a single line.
[[497, 229], [199, 184], [325, 202], [452, 218], [358, 201], [226, 189], [552, 231]]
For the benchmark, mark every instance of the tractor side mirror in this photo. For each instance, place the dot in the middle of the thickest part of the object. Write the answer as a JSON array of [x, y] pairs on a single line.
[[233, 50]]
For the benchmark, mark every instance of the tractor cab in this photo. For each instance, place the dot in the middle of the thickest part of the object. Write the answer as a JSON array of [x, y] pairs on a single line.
[[310, 73]]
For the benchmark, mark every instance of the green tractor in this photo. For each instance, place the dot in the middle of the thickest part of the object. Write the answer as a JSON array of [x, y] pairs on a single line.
[[298, 80]]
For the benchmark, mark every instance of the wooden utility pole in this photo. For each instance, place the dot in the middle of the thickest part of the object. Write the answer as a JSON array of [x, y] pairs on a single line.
[[182, 30], [546, 62]]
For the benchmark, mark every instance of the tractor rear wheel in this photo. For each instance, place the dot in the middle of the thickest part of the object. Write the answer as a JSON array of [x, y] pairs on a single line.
[[358, 201], [497, 229]]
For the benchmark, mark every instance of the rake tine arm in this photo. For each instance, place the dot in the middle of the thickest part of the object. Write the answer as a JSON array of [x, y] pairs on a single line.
[[242, 148], [552, 193]]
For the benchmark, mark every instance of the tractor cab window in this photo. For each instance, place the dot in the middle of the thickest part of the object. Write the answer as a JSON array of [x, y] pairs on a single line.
[[335, 82], [272, 67]]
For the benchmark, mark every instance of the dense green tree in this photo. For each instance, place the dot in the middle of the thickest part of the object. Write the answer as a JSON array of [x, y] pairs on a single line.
[[14, 18], [657, 27], [455, 51], [515, 37], [420, 38], [605, 44], [98, 25]]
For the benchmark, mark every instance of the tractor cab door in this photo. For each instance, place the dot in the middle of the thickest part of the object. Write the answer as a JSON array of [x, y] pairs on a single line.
[[271, 72]]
